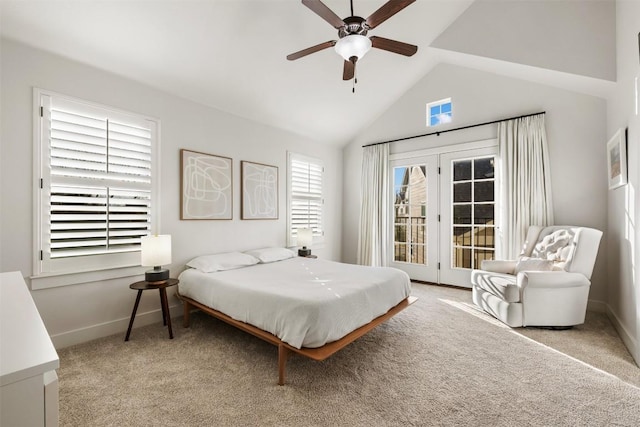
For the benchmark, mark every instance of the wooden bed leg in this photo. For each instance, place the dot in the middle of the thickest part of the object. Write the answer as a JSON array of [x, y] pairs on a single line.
[[187, 311], [283, 355]]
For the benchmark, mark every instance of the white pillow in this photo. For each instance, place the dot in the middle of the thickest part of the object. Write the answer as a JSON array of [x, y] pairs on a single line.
[[533, 264], [221, 262], [266, 255]]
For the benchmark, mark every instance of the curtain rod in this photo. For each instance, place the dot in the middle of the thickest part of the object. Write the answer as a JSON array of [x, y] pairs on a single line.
[[451, 130]]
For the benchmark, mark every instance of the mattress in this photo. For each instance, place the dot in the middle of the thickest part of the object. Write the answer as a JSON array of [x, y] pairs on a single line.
[[304, 302]]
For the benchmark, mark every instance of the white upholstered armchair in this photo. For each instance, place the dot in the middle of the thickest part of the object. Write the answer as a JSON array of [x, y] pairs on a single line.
[[548, 285]]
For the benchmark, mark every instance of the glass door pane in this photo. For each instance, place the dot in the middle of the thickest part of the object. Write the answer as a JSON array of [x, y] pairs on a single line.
[[410, 206], [414, 214], [473, 221]]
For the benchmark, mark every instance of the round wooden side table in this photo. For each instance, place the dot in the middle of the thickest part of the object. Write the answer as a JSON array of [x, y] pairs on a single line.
[[162, 288]]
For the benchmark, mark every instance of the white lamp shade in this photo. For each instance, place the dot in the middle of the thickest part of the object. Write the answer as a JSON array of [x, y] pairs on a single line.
[[305, 237], [156, 250], [353, 45]]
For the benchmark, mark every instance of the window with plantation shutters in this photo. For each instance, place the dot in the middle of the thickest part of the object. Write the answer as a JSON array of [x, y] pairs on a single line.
[[96, 186], [305, 179]]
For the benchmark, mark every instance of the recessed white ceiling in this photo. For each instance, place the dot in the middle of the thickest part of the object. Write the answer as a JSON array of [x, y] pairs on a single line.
[[231, 54]]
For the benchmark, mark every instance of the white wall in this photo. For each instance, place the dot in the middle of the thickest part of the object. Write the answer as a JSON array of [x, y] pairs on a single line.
[[575, 130], [623, 214], [78, 312], [576, 37]]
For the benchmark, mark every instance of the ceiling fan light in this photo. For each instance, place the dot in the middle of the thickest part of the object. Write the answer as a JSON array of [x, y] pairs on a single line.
[[353, 45]]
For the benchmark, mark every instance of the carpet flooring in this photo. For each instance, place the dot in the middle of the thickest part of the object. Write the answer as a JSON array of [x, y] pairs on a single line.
[[440, 362]]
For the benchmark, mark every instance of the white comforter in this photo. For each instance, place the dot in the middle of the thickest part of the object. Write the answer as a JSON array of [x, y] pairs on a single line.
[[304, 302]]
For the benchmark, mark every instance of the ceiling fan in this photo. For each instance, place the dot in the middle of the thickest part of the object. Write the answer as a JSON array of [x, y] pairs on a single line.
[[353, 44]]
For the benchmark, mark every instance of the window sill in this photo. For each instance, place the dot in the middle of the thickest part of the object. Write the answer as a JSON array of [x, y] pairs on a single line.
[[54, 280]]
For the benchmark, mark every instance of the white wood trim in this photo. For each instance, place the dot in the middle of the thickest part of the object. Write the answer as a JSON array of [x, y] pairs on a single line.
[[448, 274], [428, 272], [47, 273], [484, 143], [118, 326], [627, 338], [318, 241], [52, 280]]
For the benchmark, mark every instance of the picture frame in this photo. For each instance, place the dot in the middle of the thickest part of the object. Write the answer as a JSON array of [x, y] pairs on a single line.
[[617, 160], [206, 186], [259, 188]]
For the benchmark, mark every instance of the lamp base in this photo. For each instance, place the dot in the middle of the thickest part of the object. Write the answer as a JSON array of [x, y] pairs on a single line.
[[157, 275], [304, 251]]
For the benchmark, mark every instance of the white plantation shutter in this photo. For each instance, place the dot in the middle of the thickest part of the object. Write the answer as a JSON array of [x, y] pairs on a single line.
[[96, 188], [305, 196]]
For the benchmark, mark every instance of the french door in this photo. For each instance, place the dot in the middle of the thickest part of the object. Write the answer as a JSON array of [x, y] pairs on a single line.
[[444, 214], [415, 217], [468, 208]]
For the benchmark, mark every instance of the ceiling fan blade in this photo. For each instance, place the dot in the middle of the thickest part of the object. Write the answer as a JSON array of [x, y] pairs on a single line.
[[393, 46], [386, 11], [349, 70], [324, 12], [310, 50]]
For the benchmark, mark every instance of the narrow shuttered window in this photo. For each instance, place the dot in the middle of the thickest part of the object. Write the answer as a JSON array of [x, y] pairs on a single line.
[[305, 196], [96, 194]]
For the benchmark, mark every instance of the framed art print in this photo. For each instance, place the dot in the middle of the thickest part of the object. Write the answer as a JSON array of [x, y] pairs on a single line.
[[206, 186], [259, 191], [617, 160]]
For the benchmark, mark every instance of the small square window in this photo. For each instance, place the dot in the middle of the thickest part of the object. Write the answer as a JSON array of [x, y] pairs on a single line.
[[439, 112]]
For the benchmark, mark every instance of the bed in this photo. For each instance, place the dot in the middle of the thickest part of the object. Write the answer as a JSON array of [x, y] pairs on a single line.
[[307, 306]]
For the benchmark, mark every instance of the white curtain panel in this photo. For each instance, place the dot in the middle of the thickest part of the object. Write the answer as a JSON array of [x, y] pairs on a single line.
[[374, 215], [526, 180]]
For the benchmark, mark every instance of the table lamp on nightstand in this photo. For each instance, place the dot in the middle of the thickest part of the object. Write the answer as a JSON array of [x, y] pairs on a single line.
[[155, 252], [305, 237]]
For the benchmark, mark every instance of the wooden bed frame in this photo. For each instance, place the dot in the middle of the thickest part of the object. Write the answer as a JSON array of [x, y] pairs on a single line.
[[284, 349]]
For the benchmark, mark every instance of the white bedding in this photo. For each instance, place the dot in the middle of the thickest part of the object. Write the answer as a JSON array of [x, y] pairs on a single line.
[[304, 302]]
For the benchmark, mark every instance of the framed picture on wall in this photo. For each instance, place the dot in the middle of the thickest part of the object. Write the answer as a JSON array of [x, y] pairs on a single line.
[[617, 159], [206, 186], [259, 191]]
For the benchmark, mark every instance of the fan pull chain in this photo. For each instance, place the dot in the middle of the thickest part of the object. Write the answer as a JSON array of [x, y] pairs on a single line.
[[355, 79]]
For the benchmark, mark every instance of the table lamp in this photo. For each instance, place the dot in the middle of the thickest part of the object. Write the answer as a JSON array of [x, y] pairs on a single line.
[[305, 237], [155, 252]]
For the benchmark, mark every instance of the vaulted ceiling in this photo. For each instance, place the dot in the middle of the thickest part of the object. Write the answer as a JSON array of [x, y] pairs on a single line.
[[231, 54]]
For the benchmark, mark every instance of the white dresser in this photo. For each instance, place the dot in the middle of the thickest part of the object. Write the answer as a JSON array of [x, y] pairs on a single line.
[[28, 360]]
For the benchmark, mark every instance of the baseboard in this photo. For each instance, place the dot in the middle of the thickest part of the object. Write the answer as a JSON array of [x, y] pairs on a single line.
[[89, 333], [628, 339]]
